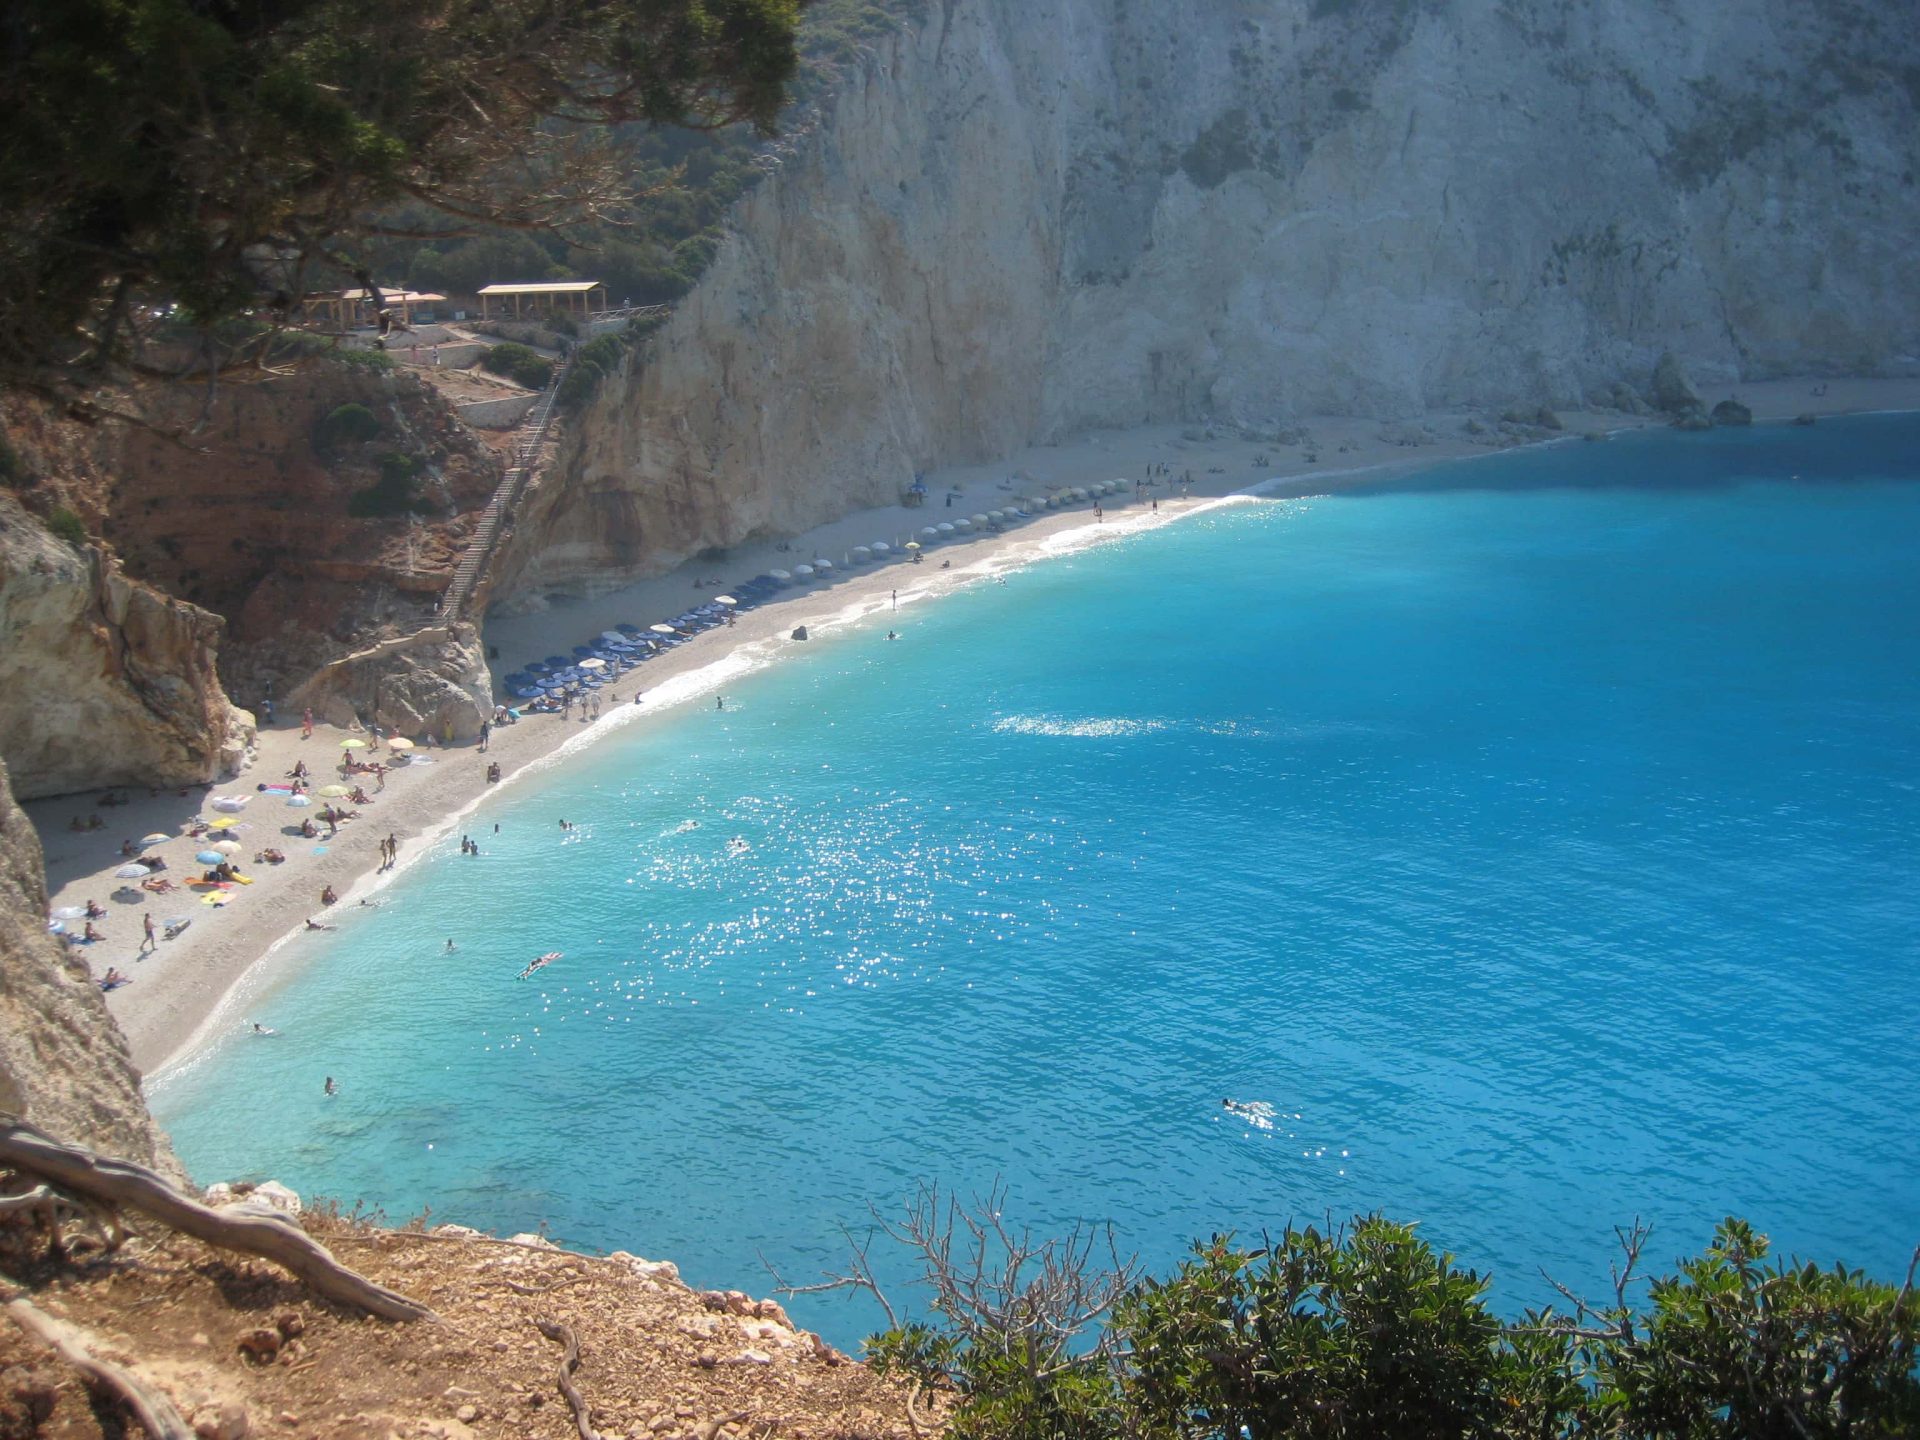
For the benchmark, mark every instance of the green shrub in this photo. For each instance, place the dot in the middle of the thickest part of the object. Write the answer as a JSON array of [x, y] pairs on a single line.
[[519, 364], [1364, 1331], [348, 425], [592, 363], [13, 470], [67, 526], [396, 492], [363, 359]]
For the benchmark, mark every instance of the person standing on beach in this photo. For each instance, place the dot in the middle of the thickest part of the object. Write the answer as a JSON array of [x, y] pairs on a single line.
[[148, 942], [306, 723], [486, 729]]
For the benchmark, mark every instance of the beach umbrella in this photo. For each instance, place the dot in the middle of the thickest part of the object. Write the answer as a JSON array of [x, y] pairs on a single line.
[[528, 692], [914, 545], [209, 857], [859, 555], [880, 547], [535, 667], [626, 629], [333, 792], [233, 804], [399, 742], [299, 802], [978, 519], [558, 662], [225, 822], [353, 744], [963, 526], [131, 872], [69, 912], [613, 637], [803, 572], [661, 629], [155, 839], [226, 847], [822, 564], [593, 664]]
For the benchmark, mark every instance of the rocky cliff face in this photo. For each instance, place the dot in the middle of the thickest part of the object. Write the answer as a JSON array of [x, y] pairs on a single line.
[[103, 680], [241, 503], [1027, 218], [63, 1062]]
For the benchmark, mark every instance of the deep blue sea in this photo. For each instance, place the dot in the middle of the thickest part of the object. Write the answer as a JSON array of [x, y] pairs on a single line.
[[1538, 837]]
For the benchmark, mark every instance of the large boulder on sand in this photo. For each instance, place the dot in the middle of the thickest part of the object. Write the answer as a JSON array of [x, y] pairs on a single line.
[[1673, 392]]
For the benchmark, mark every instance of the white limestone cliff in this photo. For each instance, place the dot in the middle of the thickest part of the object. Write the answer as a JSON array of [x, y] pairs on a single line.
[[104, 681], [1027, 218]]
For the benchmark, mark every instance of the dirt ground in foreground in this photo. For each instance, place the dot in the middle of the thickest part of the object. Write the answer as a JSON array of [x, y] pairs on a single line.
[[245, 1350]]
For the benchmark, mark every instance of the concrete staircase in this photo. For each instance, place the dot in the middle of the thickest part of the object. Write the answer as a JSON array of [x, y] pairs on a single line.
[[521, 466]]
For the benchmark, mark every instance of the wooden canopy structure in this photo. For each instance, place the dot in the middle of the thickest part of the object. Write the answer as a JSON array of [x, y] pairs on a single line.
[[352, 308], [573, 296]]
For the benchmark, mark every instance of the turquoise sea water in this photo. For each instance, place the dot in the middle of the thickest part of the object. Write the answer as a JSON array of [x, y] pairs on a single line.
[[1539, 837]]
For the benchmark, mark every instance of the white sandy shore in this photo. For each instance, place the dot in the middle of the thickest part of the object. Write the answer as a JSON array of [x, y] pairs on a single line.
[[199, 984]]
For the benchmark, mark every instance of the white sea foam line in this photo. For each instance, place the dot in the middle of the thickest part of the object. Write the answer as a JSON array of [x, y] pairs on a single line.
[[671, 694]]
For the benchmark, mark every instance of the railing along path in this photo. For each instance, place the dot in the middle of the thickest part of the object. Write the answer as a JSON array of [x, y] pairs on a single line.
[[525, 461]]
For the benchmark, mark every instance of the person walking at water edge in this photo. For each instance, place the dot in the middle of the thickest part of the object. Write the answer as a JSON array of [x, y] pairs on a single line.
[[147, 941]]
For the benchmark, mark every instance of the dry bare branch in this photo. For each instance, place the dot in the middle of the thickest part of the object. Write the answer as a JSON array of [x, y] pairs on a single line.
[[121, 1184], [73, 1345], [569, 1362]]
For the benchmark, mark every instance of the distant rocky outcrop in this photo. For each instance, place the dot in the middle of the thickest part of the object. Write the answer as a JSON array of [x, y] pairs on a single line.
[[433, 682], [1673, 392], [103, 680], [64, 1064], [1732, 412], [1020, 222]]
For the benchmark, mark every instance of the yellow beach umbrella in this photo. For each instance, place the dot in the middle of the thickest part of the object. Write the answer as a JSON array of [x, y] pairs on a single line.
[[226, 847], [353, 744], [332, 792], [399, 742], [225, 822]]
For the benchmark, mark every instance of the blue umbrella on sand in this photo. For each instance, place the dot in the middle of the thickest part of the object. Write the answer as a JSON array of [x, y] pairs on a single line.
[[210, 857]]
